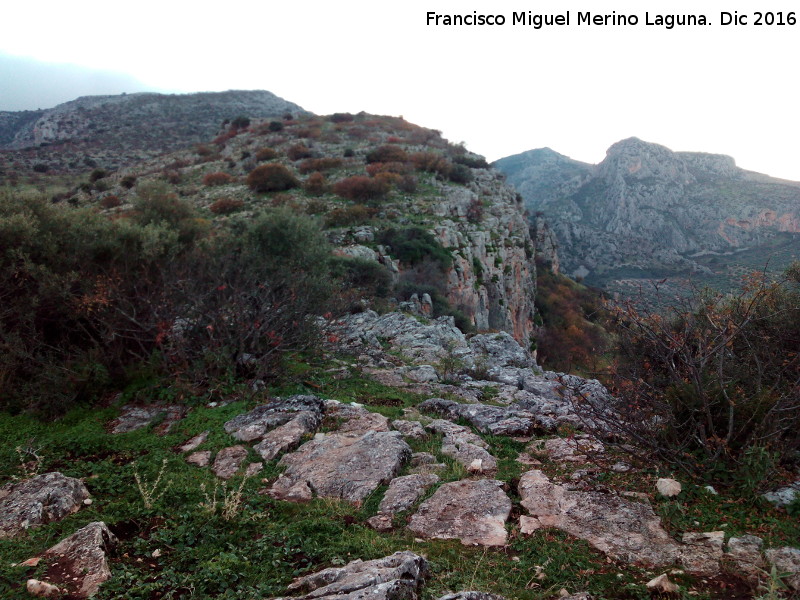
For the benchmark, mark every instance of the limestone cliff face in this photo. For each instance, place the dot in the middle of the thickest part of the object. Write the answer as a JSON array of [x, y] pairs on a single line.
[[648, 209], [493, 278]]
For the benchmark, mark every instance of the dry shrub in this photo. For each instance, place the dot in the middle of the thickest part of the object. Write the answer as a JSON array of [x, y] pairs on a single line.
[[203, 150], [110, 202], [387, 153], [350, 215], [432, 163], [319, 164], [217, 178], [362, 189], [298, 151], [400, 168], [316, 184], [271, 178], [224, 206], [266, 154]]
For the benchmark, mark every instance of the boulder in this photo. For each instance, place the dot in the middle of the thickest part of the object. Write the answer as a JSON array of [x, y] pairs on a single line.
[[345, 466], [495, 420], [355, 418], [402, 494], [201, 458], [745, 554], [702, 552], [396, 577], [473, 511], [412, 430], [625, 530], [576, 449], [499, 350], [255, 424], [785, 495], [668, 487], [38, 501], [78, 564]]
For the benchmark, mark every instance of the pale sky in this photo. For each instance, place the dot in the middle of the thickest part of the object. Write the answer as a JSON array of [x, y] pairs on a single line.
[[501, 90]]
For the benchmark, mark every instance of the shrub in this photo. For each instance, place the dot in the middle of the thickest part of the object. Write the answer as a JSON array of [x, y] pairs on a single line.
[[97, 174], [712, 384], [350, 215], [40, 168], [217, 178], [398, 168], [413, 245], [460, 174], [110, 201], [316, 184], [203, 150], [359, 277], [240, 122], [362, 189], [276, 126], [432, 163], [271, 178], [319, 164], [349, 153], [473, 162], [408, 184], [341, 118], [266, 154], [225, 206], [128, 181], [387, 153], [298, 151]]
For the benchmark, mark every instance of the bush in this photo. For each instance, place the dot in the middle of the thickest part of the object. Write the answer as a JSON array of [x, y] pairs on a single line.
[[358, 278], [217, 178], [387, 153], [271, 178], [714, 382], [473, 162], [276, 126], [350, 215], [413, 245], [225, 206], [110, 201], [128, 181], [298, 151], [432, 163], [266, 154], [362, 189], [341, 118], [316, 184], [97, 174], [460, 174]]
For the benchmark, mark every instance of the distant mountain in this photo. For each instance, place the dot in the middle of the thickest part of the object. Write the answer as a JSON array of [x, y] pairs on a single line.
[[111, 131], [646, 211]]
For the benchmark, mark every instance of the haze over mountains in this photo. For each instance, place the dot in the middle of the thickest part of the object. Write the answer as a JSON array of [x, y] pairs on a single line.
[[646, 211]]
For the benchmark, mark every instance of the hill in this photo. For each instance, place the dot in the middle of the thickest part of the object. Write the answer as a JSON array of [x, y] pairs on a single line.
[[646, 212]]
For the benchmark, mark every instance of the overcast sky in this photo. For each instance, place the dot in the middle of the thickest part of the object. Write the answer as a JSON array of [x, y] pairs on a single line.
[[501, 90]]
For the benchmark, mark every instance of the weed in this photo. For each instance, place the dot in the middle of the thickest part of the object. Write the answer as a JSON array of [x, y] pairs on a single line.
[[150, 491]]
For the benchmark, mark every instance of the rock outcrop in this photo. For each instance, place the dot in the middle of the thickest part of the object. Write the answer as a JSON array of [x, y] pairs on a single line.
[[38, 501]]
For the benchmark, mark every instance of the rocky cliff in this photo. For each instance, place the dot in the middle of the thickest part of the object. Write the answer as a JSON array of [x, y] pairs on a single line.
[[648, 211]]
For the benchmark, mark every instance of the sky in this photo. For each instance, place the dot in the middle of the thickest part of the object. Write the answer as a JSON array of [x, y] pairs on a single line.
[[499, 89]]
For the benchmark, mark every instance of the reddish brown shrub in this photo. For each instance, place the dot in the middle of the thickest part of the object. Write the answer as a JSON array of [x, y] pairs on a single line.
[[298, 151], [110, 202], [350, 215], [319, 164], [203, 150], [217, 178], [388, 153], [407, 184], [271, 178], [391, 167], [224, 206], [362, 189], [316, 184], [266, 154], [431, 162]]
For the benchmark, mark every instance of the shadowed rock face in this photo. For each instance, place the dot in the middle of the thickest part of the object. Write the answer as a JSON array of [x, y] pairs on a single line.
[[473, 511], [345, 466], [396, 577], [37, 501]]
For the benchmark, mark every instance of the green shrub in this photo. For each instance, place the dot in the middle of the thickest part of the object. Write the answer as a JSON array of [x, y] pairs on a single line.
[[413, 245], [271, 178], [350, 215]]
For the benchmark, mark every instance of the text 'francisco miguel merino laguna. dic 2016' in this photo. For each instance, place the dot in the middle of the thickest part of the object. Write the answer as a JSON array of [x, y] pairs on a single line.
[[538, 21]]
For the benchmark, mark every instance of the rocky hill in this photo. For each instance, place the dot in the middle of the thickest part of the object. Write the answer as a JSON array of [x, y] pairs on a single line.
[[110, 131], [646, 211]]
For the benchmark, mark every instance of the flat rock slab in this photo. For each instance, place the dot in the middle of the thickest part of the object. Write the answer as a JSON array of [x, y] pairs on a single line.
[[194, 443], [37, 501], [577, 449], [228, 461], [496, 420], [471, 595], [402, 494], [288, 436], [355, 418], [786, 560], [473, 511], [412, 430], [78, 564], [255, 424], [136, 417], [201, 458], [396, 577], [625, 530], [345, 466]]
